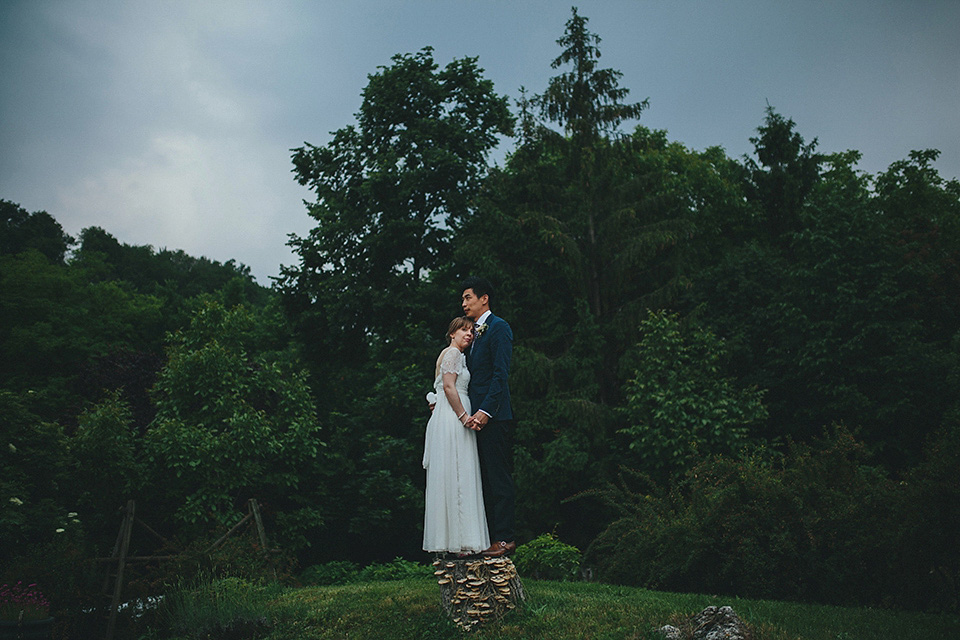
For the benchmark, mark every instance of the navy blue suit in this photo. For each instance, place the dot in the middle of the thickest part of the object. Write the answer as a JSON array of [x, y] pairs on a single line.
[[488, 359]]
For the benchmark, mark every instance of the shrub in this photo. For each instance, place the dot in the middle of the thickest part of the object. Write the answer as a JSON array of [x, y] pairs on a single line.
[[329, 573], [927, 559], [816, 525], [546, 557]]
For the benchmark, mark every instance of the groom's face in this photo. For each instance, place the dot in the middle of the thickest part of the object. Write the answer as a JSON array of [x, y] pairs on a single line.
[[473, 306]]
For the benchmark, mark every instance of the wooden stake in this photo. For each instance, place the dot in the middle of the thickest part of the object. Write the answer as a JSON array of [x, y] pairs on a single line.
[[126, 530]]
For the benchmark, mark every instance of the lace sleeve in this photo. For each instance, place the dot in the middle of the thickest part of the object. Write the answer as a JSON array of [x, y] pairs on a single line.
[[451, 361]]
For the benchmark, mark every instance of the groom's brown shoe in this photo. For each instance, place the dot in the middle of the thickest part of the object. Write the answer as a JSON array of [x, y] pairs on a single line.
[[501, 548]]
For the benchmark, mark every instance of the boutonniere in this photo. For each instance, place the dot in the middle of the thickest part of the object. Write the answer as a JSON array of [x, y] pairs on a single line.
[[480, 328]]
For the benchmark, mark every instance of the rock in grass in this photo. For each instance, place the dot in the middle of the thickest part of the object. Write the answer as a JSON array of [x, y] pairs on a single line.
[[713, 623]]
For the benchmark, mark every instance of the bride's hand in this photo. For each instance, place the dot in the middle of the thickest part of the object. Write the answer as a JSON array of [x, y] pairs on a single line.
[[479, 419]]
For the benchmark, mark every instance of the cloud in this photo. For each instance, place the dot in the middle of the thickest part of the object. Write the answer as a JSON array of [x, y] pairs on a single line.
[[204, 195], [169, 123]]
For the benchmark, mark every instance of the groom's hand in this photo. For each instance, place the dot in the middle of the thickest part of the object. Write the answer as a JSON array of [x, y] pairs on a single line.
[[479, 419]]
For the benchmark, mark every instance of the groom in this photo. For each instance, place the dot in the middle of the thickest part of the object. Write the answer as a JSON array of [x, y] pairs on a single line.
[[488, 359]]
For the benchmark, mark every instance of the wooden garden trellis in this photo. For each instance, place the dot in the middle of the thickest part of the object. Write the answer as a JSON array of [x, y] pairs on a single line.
[[120, 557]]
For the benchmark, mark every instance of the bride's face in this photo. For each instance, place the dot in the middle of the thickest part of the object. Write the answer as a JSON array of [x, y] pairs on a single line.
[[461, 337]]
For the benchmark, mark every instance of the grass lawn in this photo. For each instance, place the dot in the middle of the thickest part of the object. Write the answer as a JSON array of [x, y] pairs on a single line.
[[411, 609]]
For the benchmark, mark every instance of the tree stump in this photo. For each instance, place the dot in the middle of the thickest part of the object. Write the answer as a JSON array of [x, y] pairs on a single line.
[[476, 590]]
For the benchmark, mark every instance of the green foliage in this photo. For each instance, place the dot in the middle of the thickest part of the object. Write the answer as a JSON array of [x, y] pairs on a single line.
[[397, 569], [218, 608], [787, 172], [168, 274], [923, 211], [328, 573], [39, 231], [53, 322], [818, 524], [680, 406], [586, 101], [928, 556], [104, 452], [547, 558], [231, 424], [829, 318], [346, 572], [33, 475], [388, 191], [59, 565]]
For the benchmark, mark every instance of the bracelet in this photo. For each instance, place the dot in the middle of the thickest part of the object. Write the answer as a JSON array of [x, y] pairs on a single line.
[[462, 414]]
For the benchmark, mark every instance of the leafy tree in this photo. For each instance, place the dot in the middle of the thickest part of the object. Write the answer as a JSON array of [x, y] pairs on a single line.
[[923, 212], [33, 475], [53, 321], [680, 405], [587, 102], [594, 228], [787, 171], [232, 424], [365, 295], [20, 231], [171, 275], [827, 315], [106, 468], [814, 523], [388, 191]]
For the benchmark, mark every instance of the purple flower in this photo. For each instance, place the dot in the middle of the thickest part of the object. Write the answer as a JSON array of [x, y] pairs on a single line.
[[23, 603]]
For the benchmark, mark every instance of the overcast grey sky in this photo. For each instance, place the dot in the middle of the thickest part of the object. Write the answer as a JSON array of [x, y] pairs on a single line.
[[169, 122]]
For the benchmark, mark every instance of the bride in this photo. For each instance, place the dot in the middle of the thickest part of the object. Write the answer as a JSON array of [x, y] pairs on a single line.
[[454, 519]]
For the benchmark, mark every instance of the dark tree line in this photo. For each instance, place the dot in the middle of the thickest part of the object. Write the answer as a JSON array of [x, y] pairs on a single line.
[[724, 369]]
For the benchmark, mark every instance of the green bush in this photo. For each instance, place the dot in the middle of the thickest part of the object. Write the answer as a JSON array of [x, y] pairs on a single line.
[[818, 524], [336, 572], [545, 557], [927, 559]]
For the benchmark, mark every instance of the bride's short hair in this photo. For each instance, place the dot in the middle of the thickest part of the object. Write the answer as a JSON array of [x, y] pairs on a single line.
[[457, 324]]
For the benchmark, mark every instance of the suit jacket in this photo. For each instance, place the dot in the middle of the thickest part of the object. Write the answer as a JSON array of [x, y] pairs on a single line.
[[488, 359]]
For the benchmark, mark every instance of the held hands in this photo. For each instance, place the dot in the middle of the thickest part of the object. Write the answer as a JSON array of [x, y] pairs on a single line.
[[476, 421]]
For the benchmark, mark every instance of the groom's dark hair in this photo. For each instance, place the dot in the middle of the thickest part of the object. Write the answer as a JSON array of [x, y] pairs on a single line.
[[481, 287]]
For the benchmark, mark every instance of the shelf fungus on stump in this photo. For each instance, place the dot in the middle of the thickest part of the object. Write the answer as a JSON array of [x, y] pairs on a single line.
[[476, 591]]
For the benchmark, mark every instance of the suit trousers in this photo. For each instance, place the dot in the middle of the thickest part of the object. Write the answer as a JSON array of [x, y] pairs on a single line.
[[494, 444]]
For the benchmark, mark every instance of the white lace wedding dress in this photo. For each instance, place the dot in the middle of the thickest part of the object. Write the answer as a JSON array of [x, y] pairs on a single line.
[[454, 519]]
